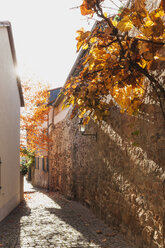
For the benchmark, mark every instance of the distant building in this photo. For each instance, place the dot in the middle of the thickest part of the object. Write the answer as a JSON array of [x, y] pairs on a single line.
[[40, 172]]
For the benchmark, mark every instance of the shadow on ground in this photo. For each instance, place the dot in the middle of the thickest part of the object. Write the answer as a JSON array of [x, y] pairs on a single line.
[[93, 230], [10, 227], [47, 219]]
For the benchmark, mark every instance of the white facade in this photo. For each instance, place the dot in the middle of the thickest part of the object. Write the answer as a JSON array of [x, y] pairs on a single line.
[[10, 101], [57, 114]]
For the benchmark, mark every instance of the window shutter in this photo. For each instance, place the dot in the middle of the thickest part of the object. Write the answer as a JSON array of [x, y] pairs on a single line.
[[35, 163], [47, 163], [43, 164]]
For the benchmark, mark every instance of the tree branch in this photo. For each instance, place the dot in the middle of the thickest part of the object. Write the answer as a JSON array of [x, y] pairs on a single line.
[[154, 83], [150, 77]]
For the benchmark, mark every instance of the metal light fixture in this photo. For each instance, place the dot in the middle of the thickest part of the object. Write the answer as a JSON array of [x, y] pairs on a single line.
[[82, 129]]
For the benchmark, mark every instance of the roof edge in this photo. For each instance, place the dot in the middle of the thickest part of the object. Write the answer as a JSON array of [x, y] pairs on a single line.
[[7, 24], [58, 100], [55, 88], [79, 56], [20, 92], [53, 101]]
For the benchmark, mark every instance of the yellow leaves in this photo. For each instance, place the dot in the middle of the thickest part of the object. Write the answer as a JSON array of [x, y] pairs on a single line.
[[162, 4], [106, 112], [85, 8], [74, 112], [148, 56], [88, 7], [86, 120], [93, 39], [158, 13], [133, 107], [138, 5], [125, 24], [137, 18], [114, 23], [108, 31], [125, 12], [151, 24], [150, 52], [147, 30], [92, 88], [107, 68], [143, 47], [154, 25], [129, 98], [158, 28], [143, 63], [85, 46], [81, 115], [82, 39]]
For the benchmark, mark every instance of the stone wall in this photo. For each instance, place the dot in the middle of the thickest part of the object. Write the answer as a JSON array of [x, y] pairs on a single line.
[[120, 176], [60, 158], [40, 175], [40, 179]]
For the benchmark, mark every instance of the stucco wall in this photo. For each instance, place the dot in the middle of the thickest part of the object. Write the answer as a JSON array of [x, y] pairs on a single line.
[[9, 129]]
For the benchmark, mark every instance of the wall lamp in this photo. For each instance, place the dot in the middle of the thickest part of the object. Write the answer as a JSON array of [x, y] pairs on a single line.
[[82, 129]]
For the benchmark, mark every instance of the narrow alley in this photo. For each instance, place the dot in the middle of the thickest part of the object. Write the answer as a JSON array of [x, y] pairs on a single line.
[[47, 219]]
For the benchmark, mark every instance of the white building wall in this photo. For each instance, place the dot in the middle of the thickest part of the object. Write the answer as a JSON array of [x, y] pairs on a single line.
[[60, 113], [9, 129]]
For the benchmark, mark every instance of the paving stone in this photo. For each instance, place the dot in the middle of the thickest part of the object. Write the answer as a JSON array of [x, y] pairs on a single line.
[[48, 220]]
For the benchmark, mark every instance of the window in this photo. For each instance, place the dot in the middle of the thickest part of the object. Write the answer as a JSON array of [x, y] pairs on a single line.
[[45, 165], [36, 162]]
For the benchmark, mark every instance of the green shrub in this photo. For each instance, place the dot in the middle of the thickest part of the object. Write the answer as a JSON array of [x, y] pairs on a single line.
[[24, 168]]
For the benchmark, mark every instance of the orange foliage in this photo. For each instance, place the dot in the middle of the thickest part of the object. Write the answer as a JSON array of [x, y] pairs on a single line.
[[88, 7], [115, 64], [34, 117]]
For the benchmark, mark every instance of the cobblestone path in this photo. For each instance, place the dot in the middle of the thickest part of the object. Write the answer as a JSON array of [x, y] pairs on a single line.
[[47, 219]]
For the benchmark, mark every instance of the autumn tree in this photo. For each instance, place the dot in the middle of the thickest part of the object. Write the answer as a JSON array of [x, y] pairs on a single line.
[[34, 117], [119, 56]]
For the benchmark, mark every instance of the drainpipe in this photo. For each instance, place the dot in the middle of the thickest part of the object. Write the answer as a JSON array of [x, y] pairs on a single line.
[[49, 124], [48, 148], [0, 174], [164, 215]]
